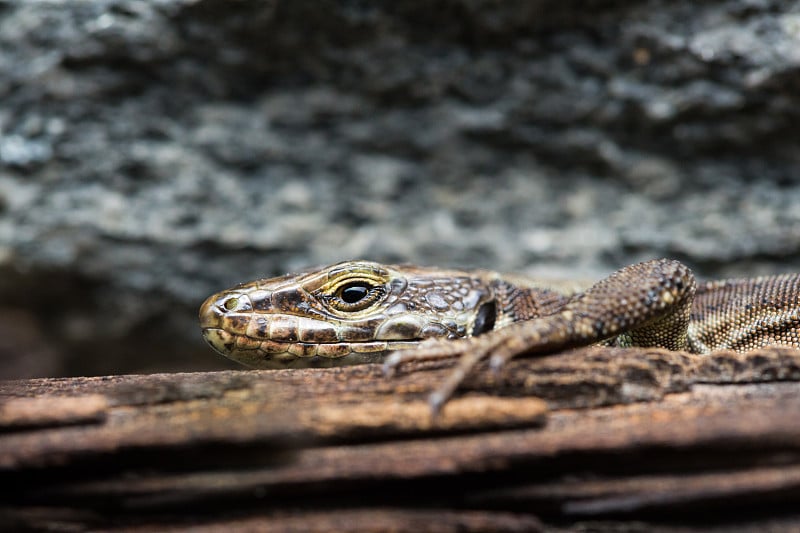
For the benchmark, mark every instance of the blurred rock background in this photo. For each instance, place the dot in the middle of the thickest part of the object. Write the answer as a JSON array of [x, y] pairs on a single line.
[[153, 152]]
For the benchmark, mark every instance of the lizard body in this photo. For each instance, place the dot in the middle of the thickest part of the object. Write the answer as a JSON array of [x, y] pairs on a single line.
[[358, 311]]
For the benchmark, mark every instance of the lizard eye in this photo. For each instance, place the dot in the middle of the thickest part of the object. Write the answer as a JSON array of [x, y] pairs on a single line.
[[356, 295]]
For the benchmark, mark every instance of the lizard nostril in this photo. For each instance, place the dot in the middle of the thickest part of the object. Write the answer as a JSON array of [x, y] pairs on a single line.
[[230, 304]]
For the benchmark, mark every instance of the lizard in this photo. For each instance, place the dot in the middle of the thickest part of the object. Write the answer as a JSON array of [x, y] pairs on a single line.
[[356, 312]]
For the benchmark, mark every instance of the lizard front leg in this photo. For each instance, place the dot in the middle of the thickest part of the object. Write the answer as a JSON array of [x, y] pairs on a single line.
[[647, 304]]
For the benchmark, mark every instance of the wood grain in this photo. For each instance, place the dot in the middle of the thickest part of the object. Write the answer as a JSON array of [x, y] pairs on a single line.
[[609, 438]]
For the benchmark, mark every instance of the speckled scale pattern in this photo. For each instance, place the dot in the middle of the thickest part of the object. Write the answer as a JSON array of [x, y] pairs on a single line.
[[746, 314], [654, 312], [294, 320], [647, 304], [518, 303]]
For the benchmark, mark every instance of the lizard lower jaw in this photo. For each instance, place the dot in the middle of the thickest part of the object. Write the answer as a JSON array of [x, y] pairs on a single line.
[[219, 339], [271, 354]]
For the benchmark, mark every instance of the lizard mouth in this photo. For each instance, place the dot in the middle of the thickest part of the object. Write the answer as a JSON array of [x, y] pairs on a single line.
[[260, 353]]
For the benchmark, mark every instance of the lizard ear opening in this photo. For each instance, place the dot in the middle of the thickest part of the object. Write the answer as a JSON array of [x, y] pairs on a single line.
[[484, 321]]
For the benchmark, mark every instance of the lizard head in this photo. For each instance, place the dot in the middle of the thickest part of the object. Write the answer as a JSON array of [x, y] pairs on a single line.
[[346, 313]]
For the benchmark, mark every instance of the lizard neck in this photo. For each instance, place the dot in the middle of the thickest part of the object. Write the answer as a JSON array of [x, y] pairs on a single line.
[[515, 303]]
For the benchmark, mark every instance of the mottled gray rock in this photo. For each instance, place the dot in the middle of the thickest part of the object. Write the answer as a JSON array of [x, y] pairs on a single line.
[[152, 152]]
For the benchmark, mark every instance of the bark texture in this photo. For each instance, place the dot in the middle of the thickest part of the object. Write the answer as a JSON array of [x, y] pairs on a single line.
[[600, 439]]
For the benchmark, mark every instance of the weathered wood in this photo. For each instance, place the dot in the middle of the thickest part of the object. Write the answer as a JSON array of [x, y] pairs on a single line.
[[615, 437]]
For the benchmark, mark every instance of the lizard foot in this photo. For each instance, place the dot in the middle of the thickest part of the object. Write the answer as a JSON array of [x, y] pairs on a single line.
[[650, 303], [501, 346], [428, 350]]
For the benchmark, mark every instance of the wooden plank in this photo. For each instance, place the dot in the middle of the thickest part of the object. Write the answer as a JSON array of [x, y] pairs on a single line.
[[616, 437]]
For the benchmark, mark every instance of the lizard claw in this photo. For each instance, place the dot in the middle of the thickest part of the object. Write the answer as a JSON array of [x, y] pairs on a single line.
[[499, 359], [436, 401], [428, 350], [445, 391], [496, 363], [389, 367]]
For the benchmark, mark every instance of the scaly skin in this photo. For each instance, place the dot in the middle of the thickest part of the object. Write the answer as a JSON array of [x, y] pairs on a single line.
[[357, 311]]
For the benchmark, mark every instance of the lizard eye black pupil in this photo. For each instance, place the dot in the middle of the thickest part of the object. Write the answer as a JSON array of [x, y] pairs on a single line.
[[354, 293]]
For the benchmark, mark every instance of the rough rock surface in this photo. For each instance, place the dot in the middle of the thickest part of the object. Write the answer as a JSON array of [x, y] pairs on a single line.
[[153, 152]]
